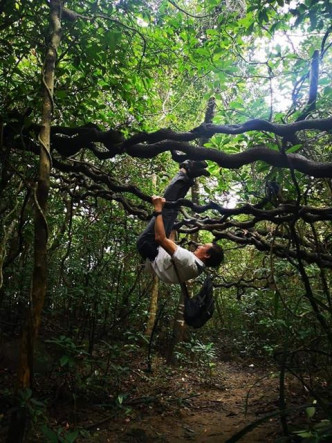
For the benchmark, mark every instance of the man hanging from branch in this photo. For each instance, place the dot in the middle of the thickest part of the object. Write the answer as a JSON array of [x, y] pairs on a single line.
[[162, 254]]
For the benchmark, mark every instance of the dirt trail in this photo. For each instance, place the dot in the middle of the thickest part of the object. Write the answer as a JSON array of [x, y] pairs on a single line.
[[200, 412]]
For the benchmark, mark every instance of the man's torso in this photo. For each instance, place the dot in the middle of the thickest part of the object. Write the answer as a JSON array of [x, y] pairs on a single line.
[[187, 264]]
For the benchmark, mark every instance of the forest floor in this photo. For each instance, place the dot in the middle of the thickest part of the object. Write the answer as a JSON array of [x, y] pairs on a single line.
[[187, 405], [169, 404]]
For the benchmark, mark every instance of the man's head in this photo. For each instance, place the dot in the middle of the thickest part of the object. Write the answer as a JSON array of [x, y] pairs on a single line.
[[211, 254]]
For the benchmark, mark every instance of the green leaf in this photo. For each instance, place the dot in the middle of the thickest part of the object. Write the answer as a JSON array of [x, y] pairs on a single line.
[[50, 435], [120, 398], [70, 437], [64, 360], [310, 411], [294, 148], [37, 403], [303, 434], [61, 94]]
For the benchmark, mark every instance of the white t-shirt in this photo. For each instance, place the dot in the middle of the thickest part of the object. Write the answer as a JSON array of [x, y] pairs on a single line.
[[187, 265]]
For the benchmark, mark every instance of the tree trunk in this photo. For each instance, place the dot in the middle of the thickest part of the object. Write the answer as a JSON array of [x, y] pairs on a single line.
[[155, 288], [179, 331], [153, 306], [38, 286]]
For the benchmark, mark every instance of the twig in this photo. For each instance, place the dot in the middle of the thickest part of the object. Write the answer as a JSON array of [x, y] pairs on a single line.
[[186, 12]]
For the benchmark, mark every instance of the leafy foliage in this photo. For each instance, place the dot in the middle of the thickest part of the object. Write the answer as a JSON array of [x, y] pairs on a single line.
[[135, 67]]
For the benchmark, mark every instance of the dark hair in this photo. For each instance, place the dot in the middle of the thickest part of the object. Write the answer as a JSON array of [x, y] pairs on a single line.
[[216, 256]]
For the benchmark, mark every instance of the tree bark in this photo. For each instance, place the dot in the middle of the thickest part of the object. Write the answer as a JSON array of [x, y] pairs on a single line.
[[153, 306], [38, 286], [179, 330], [155, 288]]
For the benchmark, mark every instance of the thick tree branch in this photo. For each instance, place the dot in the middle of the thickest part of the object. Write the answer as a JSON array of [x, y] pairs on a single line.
[[69, 141], [235, 161], [208, 130]]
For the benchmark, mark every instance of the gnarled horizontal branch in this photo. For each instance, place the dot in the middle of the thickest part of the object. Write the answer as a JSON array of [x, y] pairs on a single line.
[[235, 161], [69, 141], [322, 260], [207, 130], [150, 145]]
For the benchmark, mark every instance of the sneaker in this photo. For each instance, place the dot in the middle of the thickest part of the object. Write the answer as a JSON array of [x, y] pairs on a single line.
[[195, 168]]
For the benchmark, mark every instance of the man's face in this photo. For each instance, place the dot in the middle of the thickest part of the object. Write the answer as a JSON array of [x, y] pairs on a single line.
[[201, 251]]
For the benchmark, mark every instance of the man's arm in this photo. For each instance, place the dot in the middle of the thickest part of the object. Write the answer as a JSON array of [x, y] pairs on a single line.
[[159, 229]]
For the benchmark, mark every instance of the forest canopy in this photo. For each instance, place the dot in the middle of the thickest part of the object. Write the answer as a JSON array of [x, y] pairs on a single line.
[[134, 79], [100, 103]]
